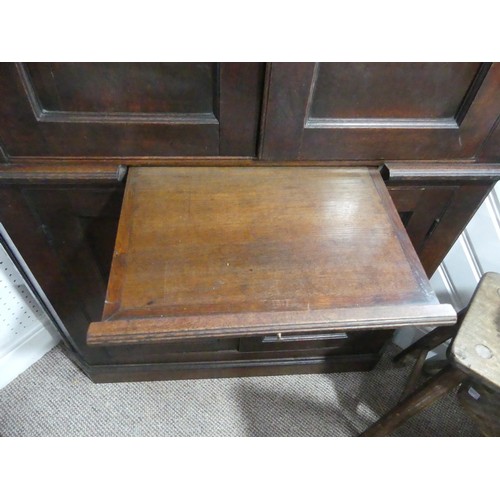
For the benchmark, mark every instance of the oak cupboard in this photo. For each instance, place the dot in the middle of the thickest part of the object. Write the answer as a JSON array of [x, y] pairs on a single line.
[[77, 110], [370, 111], [308, 174]]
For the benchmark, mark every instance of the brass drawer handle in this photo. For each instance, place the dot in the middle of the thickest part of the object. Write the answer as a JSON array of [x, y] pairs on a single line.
[[294, 338]]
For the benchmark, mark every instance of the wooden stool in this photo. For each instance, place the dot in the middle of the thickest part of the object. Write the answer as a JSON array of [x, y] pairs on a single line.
[[473, 361]]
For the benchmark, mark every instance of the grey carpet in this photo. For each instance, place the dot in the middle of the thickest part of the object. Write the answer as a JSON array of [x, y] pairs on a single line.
[[53, 398]]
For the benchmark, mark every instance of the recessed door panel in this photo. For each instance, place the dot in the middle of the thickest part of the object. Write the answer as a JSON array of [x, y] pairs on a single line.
[[379, 110], [129, 109]]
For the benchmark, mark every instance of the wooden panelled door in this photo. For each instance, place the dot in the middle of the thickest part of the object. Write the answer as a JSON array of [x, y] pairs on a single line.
[[129, 109], [413, 111]]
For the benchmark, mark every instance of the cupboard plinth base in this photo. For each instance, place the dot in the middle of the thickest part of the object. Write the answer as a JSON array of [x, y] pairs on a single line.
[[229, 369]]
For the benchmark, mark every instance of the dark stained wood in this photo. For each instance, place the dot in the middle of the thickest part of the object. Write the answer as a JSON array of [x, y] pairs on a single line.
[[422, 208], [406, 198], [73, 219], [397, 143], [466, 200], [129, 109], [238, 252], [490, 150], [29, 237], [394, 173], [436, 204], [390, 90], [66, 235], [123, 87], [46, 220], [478, 120], [434, 388], [96, 133], [40, 217], [414, 376], [176, 328], [4, 158], [432, 206], [62, 127], [20, 174], [380, 110], [287, 95], [421, 348], [441, 172], [337, 342], [241, 87], [432, 339], [220, 369], [188, 161]]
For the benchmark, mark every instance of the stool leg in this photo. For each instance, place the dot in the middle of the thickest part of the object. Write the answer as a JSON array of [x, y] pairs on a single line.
[[434, 388], [415, 374], [432, 339]]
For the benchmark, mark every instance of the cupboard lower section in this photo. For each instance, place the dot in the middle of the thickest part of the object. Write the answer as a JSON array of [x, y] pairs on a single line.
[[66, 233], [353, 351]]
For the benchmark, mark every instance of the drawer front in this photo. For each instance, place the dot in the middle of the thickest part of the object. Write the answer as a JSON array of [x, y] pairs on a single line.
[[340, 342]]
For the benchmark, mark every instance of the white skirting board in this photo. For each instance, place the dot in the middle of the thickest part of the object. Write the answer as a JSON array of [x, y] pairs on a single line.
[[26, 330], [23, 355]]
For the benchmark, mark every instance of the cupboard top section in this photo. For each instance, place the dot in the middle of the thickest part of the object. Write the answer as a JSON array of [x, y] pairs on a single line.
[[121, 110], [145, 112]]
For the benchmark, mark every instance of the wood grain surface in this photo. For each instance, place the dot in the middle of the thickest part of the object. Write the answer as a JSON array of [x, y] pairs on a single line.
[[246, 251], [476, 348]]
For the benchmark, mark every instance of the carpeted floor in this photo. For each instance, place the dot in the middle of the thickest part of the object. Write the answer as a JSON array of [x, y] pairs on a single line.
[[53, 398]]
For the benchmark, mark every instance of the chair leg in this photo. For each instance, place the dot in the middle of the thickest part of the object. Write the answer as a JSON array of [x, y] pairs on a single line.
[[434, 388]]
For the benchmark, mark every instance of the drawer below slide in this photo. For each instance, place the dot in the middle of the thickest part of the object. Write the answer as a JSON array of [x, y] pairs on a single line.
[[341, 342]]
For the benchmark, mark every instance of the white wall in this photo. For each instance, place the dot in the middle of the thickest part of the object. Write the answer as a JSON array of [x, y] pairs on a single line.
[[26, 332]]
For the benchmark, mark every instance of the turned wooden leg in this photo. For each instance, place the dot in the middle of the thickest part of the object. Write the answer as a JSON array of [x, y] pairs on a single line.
[[434, 388]]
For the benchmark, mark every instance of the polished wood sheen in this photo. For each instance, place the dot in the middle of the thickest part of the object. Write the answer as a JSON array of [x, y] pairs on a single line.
[[129, 88], [491, 147], [390, 90], [404, 111], [445, 173], [66, 128], [96, 174], [110, 110], [233, 252]]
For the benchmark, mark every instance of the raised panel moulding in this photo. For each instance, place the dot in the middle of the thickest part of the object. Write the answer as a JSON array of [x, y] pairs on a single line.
[[43, 115], [377, 123]]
